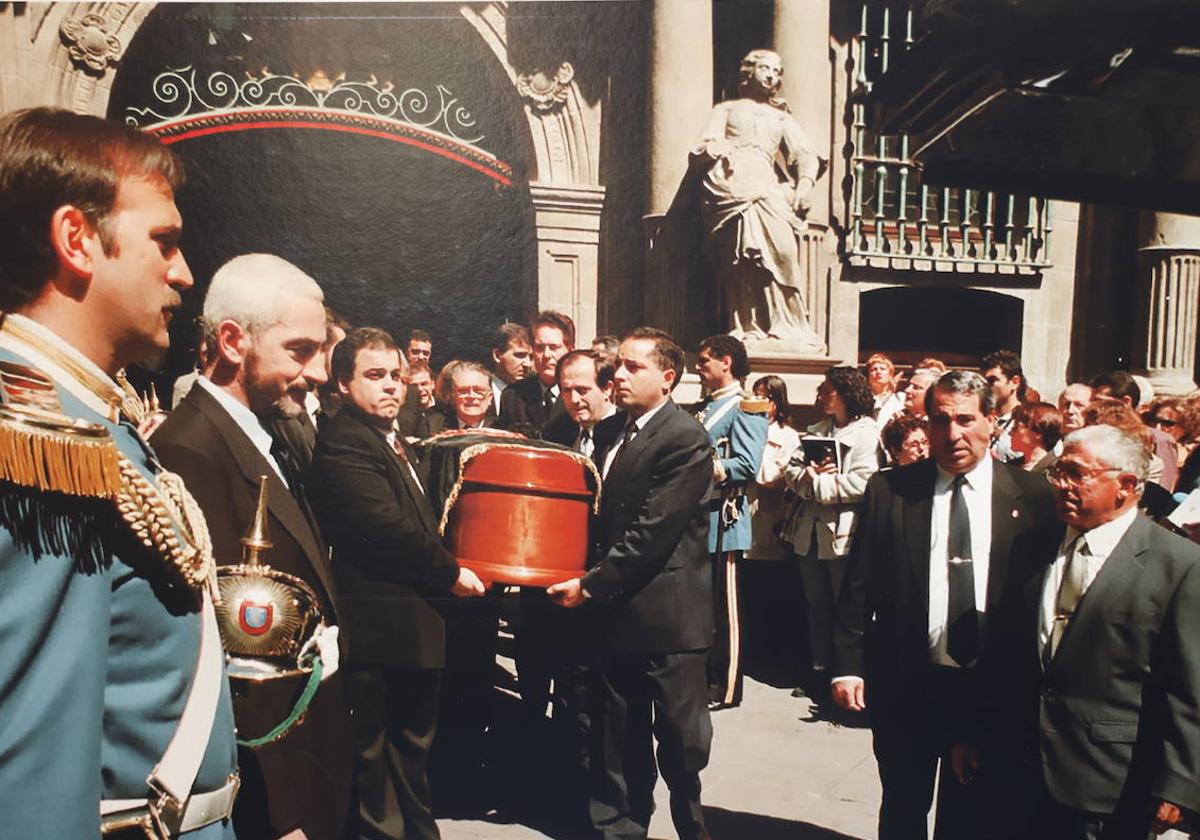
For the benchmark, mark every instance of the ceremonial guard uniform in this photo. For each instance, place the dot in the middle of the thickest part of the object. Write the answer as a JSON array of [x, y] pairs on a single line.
[[113, 695], [738, 437]]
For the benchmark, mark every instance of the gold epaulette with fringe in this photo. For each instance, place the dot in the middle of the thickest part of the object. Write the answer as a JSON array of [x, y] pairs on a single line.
[[41, 447], [44, 449]]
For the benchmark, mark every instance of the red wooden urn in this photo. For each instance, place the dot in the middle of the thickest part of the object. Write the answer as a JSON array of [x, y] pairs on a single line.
[[520, 514]]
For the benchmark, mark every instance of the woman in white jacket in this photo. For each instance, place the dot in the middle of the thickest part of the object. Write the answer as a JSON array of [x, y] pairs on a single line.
[[828, 499]]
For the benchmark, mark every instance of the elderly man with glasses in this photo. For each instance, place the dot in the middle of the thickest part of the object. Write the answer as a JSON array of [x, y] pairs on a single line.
[[1103, 658]]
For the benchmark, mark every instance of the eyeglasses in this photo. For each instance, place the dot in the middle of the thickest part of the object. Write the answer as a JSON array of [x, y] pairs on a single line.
[[1065, 473], [471, 392]]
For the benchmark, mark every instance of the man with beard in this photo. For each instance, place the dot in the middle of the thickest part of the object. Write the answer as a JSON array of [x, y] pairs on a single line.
[[264, 327]]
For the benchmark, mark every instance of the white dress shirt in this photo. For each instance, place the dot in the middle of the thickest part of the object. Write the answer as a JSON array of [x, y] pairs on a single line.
[[1100, 542], [391, 440], [640, 423], [585, 443], [246, 420], [498, 386], [977, 492]]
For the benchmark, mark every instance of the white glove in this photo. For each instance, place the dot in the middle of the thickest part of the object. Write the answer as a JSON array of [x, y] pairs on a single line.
[[325, 640]]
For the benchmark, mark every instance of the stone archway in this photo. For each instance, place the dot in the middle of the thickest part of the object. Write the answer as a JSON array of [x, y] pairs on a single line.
[[67, 53]]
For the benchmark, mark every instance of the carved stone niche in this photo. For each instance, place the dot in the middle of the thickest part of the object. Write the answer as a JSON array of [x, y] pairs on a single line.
[[90, 44]]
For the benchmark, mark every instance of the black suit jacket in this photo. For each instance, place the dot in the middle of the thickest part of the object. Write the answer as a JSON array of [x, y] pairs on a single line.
[[387, 554], [307, 774], [882, 631], [649, 567], [1115, 710], [522, 410]]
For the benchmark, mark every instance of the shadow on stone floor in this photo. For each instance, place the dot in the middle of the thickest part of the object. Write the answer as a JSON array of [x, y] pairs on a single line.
[[737, 825]]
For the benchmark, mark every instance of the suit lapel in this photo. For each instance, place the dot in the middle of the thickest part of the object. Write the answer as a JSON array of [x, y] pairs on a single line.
[[404, 477], [1115, 578], [627, 458], [605, 435], [1007, 521], [251, 463], [918, 516]]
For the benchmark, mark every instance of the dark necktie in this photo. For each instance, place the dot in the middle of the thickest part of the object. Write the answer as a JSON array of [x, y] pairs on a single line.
[[585, 445], [962, 618], [282, 453], [1070, 592], [548, 400], [630, 433]]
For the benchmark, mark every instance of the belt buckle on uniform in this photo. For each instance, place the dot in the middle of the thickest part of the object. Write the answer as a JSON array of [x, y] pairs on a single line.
[[164, 808]]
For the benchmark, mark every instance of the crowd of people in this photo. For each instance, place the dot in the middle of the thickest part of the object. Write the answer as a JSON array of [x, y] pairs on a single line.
[[993, 580]]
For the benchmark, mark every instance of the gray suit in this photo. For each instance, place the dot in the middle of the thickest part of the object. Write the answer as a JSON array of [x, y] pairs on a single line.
[[1114, 712]]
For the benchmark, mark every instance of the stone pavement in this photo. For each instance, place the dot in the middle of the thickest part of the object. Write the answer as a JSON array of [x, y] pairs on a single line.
[[778, 772]]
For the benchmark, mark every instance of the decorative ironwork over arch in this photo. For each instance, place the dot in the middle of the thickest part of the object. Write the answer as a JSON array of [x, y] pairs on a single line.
[[186, 108]]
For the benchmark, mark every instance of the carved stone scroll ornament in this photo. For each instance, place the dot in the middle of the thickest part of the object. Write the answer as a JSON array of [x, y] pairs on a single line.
[[91, 46], [546, 93]]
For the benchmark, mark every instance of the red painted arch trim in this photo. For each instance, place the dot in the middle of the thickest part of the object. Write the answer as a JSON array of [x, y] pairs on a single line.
[[171, 133]]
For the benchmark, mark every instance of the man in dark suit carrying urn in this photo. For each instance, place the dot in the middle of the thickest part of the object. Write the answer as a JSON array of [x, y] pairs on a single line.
[[389, 563], [649, 579]]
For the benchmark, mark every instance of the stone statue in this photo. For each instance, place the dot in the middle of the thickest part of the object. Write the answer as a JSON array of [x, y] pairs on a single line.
[[759, 169]]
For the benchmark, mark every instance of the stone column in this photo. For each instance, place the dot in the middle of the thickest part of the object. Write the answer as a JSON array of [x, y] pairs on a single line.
[[801, 37], [1169, 300], [679, 65]]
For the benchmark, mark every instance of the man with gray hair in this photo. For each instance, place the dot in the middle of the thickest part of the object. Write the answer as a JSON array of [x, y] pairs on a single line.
[[1104, 656], [264, 327], [934, 547]]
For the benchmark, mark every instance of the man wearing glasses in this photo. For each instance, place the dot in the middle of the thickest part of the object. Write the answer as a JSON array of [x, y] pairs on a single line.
[[1105, 656], [471, 396], [934, 550]]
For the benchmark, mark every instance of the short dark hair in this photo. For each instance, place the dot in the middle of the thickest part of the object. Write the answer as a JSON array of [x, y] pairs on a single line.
[[419, 335], [341, 363], [561, 322], [777, 393], [610, 342], [722, 346], [335, 319], [1043, 419], [1119, 384], [1010, 365], [509, 333], [667, 354], [853, 388], [898, 428], [50, 158], [963, 382], [604, 366]]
